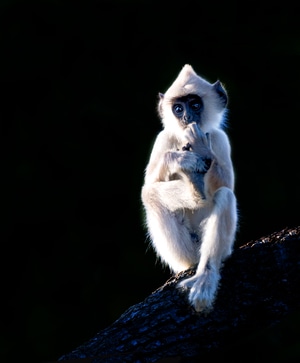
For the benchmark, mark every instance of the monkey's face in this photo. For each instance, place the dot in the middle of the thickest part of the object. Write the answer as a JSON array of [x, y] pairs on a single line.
[[187, 109], [192, 99]]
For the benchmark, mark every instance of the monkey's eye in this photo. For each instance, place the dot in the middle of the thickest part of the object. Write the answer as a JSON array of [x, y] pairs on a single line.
[[196, 106], [177, 108]]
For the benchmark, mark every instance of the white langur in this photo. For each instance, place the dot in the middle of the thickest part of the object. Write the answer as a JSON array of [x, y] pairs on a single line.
[[188, 192]]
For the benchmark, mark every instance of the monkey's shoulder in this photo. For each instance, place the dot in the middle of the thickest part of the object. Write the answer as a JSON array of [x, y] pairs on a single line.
[[220, 141], [167, 141]]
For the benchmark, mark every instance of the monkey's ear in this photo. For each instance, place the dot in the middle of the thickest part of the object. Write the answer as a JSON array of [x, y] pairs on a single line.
[[159, 104], [220, 90]]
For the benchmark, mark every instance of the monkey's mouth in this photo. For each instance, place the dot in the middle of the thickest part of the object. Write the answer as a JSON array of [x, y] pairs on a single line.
[[185, 123]]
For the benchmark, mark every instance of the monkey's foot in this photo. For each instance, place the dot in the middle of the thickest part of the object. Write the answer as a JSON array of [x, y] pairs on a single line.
[[203, 287]]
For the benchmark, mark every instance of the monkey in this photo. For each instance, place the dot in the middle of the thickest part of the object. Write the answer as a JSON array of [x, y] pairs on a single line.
[[187, 195]]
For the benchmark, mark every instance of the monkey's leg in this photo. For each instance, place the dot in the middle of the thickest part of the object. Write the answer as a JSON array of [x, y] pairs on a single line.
[[217, 240], [168, 228]]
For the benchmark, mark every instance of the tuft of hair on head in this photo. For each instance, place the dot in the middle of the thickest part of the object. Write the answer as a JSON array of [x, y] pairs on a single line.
[[188, 82]]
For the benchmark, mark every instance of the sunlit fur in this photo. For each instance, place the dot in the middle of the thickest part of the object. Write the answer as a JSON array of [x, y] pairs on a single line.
[[175, 208]]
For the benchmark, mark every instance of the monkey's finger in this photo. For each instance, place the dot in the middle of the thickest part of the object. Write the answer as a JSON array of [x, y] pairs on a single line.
[[196, 130], [193, 134], [208, 139]]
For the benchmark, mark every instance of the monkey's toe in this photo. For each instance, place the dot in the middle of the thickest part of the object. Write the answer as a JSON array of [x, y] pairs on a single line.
[[202, 288]]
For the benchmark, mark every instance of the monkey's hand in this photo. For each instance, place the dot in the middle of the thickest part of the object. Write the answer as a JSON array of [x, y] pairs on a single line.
[[202, 289], [195, 167], [196, 140], [192, 162]]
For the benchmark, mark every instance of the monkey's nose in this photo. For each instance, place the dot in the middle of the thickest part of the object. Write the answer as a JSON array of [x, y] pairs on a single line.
[[187, 119]]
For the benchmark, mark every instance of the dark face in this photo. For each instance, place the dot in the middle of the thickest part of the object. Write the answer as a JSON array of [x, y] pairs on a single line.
[[188, 109]]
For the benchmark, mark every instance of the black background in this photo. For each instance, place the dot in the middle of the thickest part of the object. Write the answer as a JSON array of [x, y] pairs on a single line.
[[79, 85]]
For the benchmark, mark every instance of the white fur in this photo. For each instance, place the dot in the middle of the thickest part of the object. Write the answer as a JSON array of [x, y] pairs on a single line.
[[174, 207]]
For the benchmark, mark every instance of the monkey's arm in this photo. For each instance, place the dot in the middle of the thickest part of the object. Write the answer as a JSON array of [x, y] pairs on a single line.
[[220, 173], [155, 169]]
